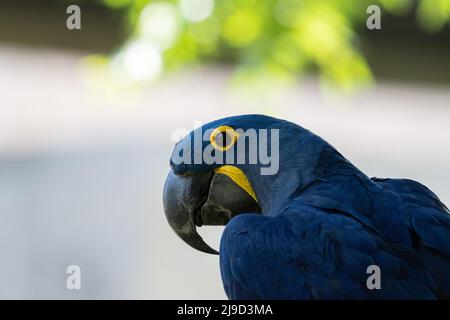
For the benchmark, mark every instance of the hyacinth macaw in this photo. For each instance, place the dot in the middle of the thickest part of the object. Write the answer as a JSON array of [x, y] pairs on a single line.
[[311, 230]]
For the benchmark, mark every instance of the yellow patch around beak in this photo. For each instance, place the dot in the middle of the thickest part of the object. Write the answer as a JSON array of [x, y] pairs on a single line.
[[238, 177]]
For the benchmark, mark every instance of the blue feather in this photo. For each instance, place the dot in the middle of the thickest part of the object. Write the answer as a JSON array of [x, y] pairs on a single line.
[[324, 222]]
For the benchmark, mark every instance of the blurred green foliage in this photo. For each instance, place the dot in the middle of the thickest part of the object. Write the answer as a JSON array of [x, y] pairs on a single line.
[[276, 38]]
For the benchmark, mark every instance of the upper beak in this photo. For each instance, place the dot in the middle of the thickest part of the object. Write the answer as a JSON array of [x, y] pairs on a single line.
[[203, 199], [182, 198]]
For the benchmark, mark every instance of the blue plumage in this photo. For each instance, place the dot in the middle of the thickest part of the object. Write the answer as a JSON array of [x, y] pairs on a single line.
[[324, 222]]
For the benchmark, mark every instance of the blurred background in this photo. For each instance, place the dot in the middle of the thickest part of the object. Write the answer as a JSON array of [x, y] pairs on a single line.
[[88, 118]]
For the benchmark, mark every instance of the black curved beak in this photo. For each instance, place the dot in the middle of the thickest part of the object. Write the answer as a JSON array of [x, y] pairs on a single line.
[[203, 199]]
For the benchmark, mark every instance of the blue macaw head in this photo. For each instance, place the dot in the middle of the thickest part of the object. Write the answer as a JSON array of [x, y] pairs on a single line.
[[219, 140], [241, 164]]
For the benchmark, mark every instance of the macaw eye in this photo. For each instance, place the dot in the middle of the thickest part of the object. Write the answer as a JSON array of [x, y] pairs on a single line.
[[223, 138]]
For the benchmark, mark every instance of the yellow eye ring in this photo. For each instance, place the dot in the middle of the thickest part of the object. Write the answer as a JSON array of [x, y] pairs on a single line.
[[228, 131]]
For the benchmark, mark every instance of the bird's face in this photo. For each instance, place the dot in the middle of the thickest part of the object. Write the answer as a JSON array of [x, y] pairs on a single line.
[[242, 164], [208, 184]]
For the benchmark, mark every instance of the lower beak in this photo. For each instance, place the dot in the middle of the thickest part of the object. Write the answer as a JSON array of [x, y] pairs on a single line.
[[203, 199]]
